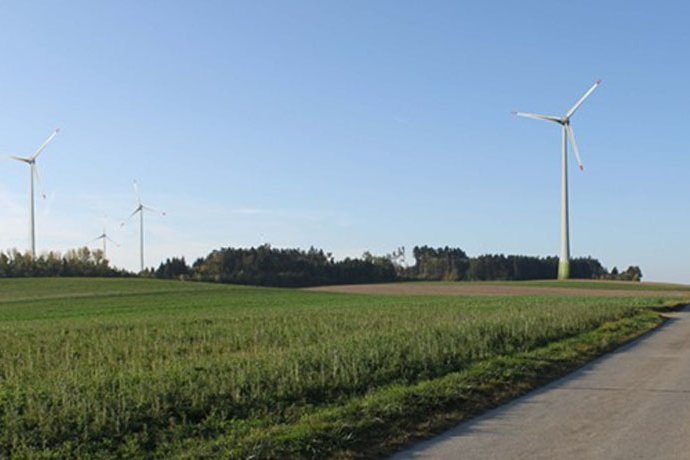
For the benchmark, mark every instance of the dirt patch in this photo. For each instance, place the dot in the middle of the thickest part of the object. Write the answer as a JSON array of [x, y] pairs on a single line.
[[478, 289]]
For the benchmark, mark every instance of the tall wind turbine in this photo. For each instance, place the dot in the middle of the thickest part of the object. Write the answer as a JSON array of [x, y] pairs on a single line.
[[566, 133], [140, 209], [33, 171]]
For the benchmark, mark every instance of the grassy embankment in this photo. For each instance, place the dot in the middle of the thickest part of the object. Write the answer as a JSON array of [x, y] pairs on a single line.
[[153, 368]]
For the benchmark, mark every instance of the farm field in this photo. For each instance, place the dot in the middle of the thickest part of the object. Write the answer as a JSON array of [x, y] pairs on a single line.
[[578, 288], [133, 367]]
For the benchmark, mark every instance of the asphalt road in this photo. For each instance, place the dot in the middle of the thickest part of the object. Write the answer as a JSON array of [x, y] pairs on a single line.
[[631, 404]]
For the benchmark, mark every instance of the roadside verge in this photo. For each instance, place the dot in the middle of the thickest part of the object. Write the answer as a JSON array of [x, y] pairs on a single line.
[[394, 416]]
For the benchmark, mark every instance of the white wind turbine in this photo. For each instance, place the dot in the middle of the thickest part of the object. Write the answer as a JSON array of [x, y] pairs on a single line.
[[104, 239], [567, 133], [33, 171], [140, 209]]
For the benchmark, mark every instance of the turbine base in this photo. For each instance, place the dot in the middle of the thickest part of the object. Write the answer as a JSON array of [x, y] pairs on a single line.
[[563, 269]]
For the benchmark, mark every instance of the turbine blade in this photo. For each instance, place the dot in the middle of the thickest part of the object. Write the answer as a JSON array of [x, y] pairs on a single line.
[[47, 141], [139, 208], [136, 191], [153, 210], [113, 241], [38, 179], [571, 136], [126, 220], [536, 116], [25, 160], [582, 99]]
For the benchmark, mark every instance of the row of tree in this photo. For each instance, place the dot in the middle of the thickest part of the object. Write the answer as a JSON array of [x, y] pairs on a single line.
[[75, 262], [453, 264], [267, 266], [633, 273]]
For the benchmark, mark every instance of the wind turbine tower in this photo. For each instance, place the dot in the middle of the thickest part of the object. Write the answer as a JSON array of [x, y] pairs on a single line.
[[566, 133], [33, 171], [140, 209]]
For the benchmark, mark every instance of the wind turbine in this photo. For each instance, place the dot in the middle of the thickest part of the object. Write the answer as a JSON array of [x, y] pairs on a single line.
[[33, 171], [566, 133], [140, 209], [104, 239]]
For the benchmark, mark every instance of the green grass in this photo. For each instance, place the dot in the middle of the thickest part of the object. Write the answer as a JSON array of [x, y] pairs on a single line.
[[135, 367]]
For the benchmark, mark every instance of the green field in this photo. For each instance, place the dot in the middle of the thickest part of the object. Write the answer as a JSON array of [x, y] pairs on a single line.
[[133, 368]]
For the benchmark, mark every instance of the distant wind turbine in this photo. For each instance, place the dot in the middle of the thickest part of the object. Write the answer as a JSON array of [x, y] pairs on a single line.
[[567, 133], [33, 171], [104, 239], [140, 209]]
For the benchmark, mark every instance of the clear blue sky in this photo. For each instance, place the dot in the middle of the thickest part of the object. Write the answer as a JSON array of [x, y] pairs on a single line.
[[351, 126]]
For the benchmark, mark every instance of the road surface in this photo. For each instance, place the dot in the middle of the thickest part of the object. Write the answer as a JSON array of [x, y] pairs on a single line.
[[631, 404]]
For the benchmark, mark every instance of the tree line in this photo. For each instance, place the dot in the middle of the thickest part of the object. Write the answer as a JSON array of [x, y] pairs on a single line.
[[268, 266], [75, 262], [453, 264]]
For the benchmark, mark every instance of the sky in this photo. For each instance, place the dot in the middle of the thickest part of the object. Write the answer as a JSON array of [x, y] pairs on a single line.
[[349, 126]]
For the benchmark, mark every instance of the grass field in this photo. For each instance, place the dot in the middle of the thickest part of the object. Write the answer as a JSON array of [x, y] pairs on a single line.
[[570, 288], [132, 368]]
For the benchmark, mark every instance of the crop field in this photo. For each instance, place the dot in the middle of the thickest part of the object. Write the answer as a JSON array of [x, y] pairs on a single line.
[[577, 288], [133, 368]]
